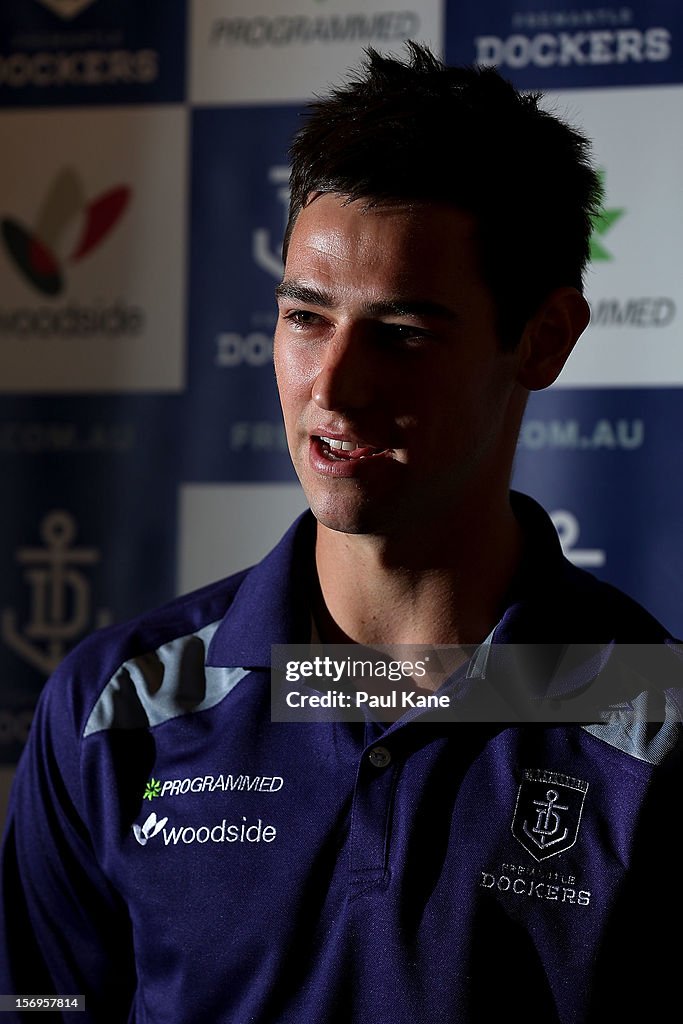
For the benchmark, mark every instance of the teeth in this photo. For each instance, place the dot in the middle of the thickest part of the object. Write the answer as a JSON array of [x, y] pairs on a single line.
[[348, 446], [345, 446]]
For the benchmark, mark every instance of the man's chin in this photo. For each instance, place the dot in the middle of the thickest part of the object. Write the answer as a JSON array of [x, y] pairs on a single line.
[[359, 520]]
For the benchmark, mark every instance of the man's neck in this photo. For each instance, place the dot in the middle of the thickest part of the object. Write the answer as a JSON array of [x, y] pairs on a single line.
[[444, 586]]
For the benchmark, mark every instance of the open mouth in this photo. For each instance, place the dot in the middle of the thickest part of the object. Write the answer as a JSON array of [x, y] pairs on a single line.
[[343, 451]]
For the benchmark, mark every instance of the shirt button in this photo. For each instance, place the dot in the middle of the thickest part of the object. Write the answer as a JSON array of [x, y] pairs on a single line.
[[379, 757]]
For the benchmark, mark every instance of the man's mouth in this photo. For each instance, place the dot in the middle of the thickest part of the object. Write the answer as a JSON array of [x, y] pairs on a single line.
[[339, 450]]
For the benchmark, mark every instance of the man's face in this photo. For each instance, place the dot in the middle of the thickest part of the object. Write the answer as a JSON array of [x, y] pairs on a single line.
[[399, 404]]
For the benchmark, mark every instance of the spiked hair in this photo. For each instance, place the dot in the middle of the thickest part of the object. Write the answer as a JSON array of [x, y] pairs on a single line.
[[417, 130]]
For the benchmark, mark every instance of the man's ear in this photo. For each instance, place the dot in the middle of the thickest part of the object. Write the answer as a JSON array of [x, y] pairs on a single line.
[[549, 336]]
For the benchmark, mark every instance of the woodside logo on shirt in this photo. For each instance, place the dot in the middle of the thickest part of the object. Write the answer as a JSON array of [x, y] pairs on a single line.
[[242, 831]]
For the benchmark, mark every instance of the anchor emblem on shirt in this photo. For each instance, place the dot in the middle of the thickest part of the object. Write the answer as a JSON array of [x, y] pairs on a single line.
[[548, 812], [544, 832]]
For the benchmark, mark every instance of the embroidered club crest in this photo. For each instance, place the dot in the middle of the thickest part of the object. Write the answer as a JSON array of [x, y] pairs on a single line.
[[548, 812]]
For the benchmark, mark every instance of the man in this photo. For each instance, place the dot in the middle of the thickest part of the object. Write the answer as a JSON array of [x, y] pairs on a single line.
[[178, 856]]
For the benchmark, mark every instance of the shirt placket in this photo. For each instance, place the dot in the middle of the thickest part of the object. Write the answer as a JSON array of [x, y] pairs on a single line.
[[376, 778]]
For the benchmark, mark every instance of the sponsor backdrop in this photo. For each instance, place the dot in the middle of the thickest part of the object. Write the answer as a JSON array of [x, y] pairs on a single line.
[[143, 191]]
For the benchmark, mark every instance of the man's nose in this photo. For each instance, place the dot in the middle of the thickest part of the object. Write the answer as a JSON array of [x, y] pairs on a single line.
[[348, 374]]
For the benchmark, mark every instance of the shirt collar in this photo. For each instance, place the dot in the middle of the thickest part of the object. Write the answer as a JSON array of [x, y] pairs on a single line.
[[549, 600], [273, 603]]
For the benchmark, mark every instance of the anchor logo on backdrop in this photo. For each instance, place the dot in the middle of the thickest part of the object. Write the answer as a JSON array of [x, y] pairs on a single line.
[[66, 9], [37, 252], [60, 598], [264, 249], [548, 812]]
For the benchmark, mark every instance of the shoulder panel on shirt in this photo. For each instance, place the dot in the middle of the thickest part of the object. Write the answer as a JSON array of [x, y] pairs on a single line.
[[632, 729], [649, 725], [162, 684], [166, 662]]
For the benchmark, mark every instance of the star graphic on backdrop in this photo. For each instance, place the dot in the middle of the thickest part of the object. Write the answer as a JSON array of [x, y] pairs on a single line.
[[602, 223]]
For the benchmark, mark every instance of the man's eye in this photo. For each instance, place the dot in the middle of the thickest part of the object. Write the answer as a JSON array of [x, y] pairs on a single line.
[[405, 335], [302, 318]]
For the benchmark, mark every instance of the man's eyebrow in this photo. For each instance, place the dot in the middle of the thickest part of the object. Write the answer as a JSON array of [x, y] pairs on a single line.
[[412, 308], [304, 293], [387, 307]]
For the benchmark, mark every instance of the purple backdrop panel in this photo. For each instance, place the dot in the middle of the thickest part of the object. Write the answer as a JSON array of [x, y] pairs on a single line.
[[88, 537], [238, 207], [62, 52], [607, 463], [548, 44]]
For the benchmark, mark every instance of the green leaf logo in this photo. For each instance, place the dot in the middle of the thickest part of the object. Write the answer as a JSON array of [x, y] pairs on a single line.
[[152, 789], [602, 222]]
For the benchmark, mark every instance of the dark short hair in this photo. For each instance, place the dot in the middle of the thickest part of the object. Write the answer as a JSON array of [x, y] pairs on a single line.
[[419, 130]]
